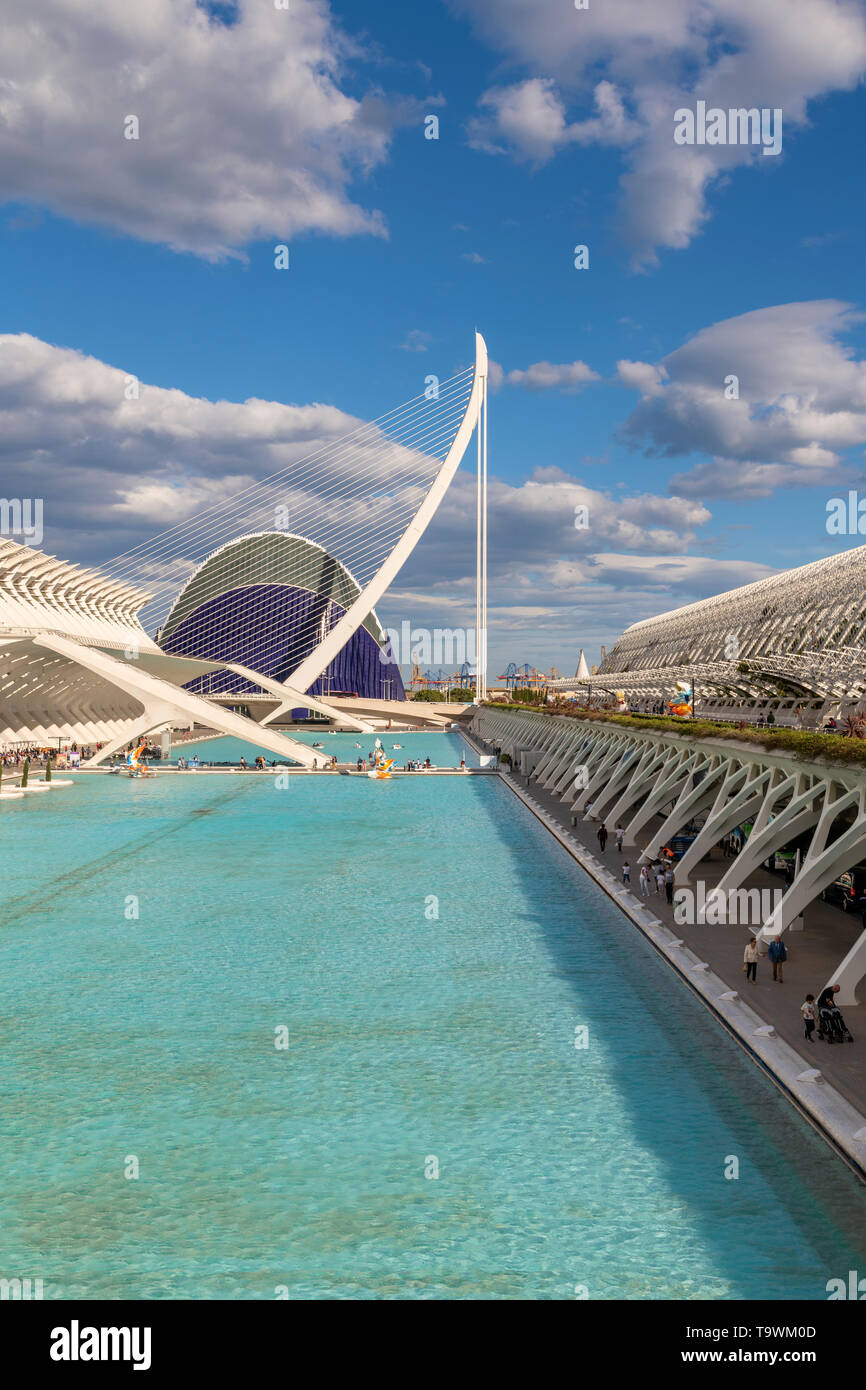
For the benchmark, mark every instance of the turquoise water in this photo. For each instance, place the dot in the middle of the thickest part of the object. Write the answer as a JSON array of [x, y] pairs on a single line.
[[411, 1038], [443, 749]]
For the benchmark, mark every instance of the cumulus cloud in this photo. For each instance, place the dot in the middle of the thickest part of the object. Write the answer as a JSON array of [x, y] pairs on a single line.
[[543, 376], [532, 530], [245, 130], [801, 401], [637, 64], [111, 469], [530, 119]]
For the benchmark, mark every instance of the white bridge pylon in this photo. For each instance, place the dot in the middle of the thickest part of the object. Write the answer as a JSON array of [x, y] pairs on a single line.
[[319, 659]]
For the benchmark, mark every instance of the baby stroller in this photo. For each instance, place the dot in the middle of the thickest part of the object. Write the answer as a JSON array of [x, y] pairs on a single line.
[[832, 1026]]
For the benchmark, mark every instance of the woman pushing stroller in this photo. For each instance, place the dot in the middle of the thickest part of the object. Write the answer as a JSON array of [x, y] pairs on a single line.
[[831, 1025]]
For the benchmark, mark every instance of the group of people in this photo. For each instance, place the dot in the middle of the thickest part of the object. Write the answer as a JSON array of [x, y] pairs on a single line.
[[777, 953], [412, 765], [14, 757], [658, 876], [823, 1013], [826, 1015]]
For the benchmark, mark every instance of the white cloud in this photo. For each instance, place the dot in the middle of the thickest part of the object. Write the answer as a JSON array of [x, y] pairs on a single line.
[[638, 63], [110, 469], [416, 341], [802, 401], [532, 528], [642, 377], [544, 376], [245, 131], [530, 118]]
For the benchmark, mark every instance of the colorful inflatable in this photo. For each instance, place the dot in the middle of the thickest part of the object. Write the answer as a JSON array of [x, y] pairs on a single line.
[[134, 760], [682, 705]]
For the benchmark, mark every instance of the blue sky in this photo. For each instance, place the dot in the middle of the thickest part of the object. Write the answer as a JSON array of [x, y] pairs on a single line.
[[400, 246]]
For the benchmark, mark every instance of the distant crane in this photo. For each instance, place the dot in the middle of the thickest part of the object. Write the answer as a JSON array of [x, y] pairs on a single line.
[[419, 680], [465, 677], [523, 677]]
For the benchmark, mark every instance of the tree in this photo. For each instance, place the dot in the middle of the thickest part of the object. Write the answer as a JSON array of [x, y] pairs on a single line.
[[529, 697]]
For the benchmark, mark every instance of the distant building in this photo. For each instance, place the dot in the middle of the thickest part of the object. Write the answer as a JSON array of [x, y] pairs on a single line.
[[796, 640]]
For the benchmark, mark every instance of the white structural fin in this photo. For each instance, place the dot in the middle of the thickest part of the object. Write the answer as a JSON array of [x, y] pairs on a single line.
[[320, 658]]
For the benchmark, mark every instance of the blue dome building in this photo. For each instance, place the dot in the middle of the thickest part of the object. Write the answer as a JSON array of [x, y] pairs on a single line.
[[265, 601]]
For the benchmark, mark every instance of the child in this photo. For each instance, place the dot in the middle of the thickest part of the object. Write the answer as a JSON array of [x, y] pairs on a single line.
[[626, 873], [810, 1014]]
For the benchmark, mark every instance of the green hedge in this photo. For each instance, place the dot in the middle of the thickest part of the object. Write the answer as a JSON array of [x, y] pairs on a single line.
[[834, 748]]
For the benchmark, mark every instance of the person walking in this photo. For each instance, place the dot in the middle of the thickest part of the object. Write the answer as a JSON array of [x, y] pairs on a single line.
[[626, 873], [750, 960], [619, 832], [602, 836], [778, 953], [669, 883], [644, 880], [810, 1015]]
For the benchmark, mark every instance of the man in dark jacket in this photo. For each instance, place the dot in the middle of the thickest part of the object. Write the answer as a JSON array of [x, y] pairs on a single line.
[[778, 953]]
